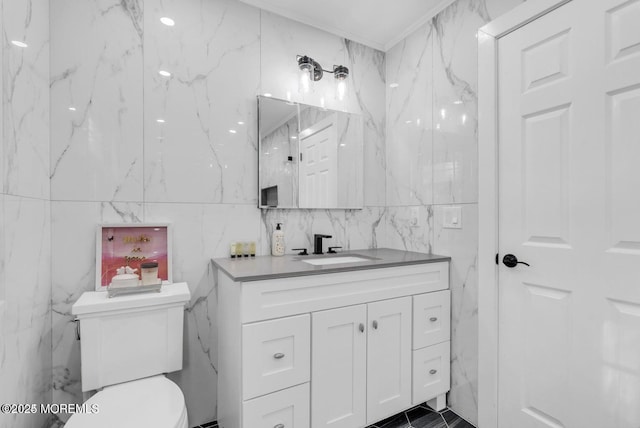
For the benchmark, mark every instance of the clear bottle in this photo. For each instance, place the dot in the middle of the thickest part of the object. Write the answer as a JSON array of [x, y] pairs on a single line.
[[277, 241]]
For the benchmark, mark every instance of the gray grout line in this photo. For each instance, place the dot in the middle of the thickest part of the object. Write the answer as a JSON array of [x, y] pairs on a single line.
[[443, 419]]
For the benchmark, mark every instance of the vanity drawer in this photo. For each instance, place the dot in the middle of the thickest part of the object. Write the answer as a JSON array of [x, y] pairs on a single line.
[[431, 318], [283, 409], [275, 355], [431, 371]]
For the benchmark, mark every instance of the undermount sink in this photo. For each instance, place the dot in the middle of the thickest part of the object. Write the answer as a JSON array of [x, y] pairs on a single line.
[[335, 260]]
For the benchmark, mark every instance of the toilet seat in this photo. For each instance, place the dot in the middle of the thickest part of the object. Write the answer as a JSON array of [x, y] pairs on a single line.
[[152, 402]]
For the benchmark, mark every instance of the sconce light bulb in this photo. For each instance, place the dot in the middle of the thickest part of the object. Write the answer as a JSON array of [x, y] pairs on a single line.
[[341, 89], [305, 81]]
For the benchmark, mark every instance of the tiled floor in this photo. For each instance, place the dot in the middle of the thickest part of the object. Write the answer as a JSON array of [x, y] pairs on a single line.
[[417, 417], [213, 424]]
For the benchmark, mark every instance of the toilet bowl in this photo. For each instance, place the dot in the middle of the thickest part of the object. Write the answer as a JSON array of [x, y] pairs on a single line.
[[153, 402], [127, 344]]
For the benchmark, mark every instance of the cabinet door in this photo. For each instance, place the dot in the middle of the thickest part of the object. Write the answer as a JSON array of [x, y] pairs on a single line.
[[338, 355], [388, 358]]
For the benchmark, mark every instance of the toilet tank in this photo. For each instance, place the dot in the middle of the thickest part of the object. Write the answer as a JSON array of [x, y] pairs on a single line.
[[130, 337]]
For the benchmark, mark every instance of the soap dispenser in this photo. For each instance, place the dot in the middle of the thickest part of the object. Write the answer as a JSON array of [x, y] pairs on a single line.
[[277, 241]]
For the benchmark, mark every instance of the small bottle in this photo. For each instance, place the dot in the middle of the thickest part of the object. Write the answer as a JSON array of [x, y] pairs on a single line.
[[277, 242], [245, 249], [233, 249], [252, 248]]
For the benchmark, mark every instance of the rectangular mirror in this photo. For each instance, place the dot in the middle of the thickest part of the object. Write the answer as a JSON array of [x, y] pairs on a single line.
[[309, 157]]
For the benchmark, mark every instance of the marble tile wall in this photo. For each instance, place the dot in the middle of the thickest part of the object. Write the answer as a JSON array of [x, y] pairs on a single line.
[[25, 250], [431, 149], [130, 145]]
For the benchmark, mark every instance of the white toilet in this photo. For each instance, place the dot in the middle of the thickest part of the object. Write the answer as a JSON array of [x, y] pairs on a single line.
[[127, 345]]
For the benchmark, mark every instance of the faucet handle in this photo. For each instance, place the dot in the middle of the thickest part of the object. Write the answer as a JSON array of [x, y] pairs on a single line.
[[303, 251], [319, 235], [332, 250]]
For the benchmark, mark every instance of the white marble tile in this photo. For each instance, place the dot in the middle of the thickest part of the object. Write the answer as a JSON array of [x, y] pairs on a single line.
[[25, 98], [96, 69], [25, 373], [366, 228], [27, 268], [410, 228], [299, 227], [2, 268], [367, 80], [462, 246], [73, 272], [409, 119], [202, 232], [455, 93], [213, 53], [25, 347]]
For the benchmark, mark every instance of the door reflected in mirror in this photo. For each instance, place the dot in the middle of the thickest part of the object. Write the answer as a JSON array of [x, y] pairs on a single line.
[[309, 157]]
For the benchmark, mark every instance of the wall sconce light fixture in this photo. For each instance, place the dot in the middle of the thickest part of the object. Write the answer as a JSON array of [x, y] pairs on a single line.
[[312, 71]]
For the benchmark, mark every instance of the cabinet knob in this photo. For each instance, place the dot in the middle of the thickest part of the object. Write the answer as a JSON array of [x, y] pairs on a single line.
[[375, 324], [361, 328], [433, 319], [278, 355], [433, 371], [279, 426]]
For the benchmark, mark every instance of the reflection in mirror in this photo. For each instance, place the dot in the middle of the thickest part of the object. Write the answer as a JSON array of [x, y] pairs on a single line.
[[310, 157]]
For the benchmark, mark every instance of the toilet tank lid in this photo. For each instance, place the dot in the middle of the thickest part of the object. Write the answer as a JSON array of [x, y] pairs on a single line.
[[93, 302]]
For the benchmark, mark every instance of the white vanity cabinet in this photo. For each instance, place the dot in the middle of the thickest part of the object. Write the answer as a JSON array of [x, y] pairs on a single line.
[[335, 350]]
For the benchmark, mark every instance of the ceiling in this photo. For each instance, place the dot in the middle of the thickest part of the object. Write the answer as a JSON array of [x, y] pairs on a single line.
[[379, 24]]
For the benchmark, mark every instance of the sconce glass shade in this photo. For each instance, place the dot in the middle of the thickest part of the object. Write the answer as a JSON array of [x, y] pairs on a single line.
[[340, 72], [304, 81]]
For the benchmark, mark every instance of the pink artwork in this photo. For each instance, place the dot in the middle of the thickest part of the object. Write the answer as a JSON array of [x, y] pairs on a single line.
[[131, 246]]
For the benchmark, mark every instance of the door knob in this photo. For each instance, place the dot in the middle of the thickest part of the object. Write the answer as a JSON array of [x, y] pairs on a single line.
[[511, 261]]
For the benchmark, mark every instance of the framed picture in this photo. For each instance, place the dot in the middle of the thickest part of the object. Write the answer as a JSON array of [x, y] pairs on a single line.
[[119, 245]]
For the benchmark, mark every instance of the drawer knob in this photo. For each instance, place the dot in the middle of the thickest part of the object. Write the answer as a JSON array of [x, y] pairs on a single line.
[[433, 371], [375, 325], [278, 356], [361, 328], [279, 426], [433, 319]]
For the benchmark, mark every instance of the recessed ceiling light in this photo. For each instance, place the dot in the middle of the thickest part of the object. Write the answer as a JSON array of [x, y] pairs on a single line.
[[72, 108], [457, 102], [407, 121], [160, 120], [267, 94], [294, 138], [167, 21], [19, 44], [240, 122], [164, 73], [232, 131], [394, 85]]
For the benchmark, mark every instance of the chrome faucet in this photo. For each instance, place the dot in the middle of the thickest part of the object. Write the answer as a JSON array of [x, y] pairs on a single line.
[[317, 243]]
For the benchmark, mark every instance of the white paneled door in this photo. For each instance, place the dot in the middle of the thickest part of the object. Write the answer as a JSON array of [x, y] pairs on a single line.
[[569, 206], [319, 164]]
